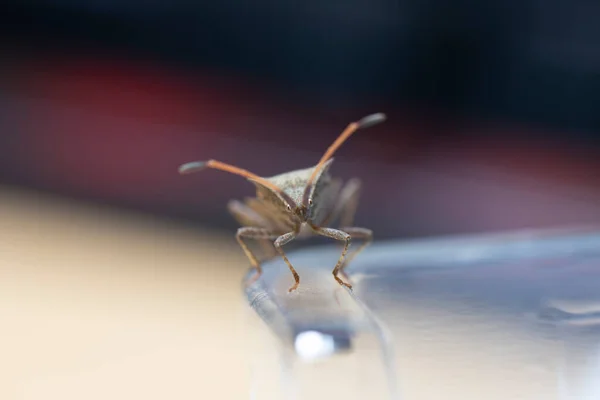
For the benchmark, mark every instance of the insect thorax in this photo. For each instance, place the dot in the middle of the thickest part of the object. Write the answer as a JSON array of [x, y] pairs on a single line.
[[294, 183]]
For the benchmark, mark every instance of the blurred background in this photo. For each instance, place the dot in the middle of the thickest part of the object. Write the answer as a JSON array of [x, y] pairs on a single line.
[[493, 124]]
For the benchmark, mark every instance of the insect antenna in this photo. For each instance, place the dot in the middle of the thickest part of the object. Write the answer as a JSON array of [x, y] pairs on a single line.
[[363, 123], [196, 166]]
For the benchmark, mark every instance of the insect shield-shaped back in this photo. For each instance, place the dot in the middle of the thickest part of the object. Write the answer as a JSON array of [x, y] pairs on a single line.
[[274, 207]]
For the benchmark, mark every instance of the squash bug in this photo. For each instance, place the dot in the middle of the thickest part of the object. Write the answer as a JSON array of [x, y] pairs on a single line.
[[297, 204]]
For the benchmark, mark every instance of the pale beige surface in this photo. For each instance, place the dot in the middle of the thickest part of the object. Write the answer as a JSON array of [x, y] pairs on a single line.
[[96, 304], [100, 305]]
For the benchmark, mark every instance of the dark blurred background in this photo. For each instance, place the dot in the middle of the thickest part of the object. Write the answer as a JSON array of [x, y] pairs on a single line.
[[493, 106]]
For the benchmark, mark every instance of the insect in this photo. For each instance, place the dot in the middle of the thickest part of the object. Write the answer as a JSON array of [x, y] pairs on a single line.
[[297, 204]]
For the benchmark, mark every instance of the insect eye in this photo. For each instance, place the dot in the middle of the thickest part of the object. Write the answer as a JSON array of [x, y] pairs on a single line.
[[289, 208], [310, 202]]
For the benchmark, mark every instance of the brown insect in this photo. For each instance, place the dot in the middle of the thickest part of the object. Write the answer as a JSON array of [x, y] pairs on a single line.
[[298, 203]]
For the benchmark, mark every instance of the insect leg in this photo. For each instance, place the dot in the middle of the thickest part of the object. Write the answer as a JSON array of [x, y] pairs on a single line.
[[246, 216], [250, 232], [279, 242], [341, 236], [357, 233]]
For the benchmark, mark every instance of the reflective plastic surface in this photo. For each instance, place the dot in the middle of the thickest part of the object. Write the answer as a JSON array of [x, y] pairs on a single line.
[[508, 316]]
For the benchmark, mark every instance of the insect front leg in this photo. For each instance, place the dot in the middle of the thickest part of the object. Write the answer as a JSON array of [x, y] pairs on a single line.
[[250, 232], [341, 236], [279, 242], [357, 233]]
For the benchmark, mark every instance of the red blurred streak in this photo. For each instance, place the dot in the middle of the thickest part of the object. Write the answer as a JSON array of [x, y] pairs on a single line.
[[122, 88], [119, 128], [517, 150], [113, 122], [128, 125]]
